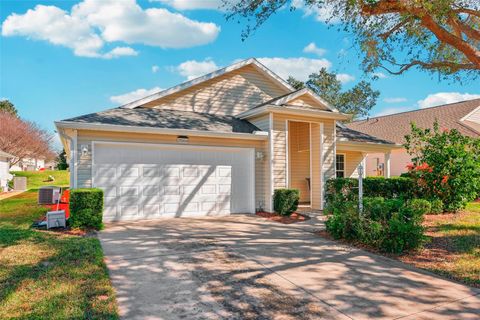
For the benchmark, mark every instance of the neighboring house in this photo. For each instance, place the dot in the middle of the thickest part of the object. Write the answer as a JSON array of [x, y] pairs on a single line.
[[29, 164], [4, 169], [463, 116], [215, 145]]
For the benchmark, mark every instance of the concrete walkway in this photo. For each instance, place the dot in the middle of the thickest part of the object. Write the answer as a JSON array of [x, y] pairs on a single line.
[[244, 267]]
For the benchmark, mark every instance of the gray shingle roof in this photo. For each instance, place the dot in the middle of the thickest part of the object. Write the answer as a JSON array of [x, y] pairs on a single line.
[[344, 133], [394, 127], [167, 119]]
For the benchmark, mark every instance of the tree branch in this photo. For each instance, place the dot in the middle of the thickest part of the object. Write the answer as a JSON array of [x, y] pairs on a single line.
[[429, 66]]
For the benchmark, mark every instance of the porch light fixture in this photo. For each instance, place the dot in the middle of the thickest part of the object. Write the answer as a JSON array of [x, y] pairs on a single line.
[[84, 148], [182, 139], [259, 155]]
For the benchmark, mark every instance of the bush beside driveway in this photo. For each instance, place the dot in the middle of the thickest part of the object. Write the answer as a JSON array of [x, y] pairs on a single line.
[[48, 274]]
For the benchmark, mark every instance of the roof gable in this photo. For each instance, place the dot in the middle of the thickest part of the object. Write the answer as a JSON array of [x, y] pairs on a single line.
[[232, 83], [303, 98]]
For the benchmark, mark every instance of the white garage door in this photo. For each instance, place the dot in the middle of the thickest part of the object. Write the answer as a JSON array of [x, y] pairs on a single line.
[[146, 181]]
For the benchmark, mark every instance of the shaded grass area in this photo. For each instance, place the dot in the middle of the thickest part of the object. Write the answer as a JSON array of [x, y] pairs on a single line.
[[48, 274], [36, 179], [454, 247]]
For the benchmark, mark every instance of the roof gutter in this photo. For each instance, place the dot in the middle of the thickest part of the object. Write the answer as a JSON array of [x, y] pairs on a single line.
[[367, 146], [256, 135], [298, 112]]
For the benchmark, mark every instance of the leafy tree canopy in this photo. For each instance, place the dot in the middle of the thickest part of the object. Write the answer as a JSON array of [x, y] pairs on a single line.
[[437, 36], [357, 101], [7, 106], [446, 165]]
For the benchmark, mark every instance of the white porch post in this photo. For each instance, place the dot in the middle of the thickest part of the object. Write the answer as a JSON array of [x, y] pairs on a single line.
[[364, 164], [386, 168]]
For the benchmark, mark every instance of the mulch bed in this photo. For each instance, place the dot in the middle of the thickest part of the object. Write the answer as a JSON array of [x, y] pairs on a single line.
[[293, 218], [436, 251]]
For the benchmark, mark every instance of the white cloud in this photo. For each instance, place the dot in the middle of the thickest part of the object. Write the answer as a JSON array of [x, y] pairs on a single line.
[[299, 68], [437, 99], [312, 48], [380, 75], [155, 68], [344, 77], [134, 95], [93, 23], [395, 100], [324, 13], [119, 52], [192, 69], [192, 4]]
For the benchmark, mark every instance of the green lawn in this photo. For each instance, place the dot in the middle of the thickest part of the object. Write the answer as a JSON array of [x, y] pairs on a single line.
[[36, 179], [49, 275], [454, 247]]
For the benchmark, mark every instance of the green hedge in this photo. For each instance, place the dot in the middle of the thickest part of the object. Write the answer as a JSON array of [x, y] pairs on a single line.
[[346, 189], [390, 225], [285, 201], [86, 208]]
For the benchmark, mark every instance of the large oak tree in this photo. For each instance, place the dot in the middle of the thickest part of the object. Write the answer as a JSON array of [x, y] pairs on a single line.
[[357, 101], [438, 36]]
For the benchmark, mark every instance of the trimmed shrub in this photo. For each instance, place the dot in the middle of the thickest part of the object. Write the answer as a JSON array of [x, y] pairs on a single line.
[[345, 225], [390, 225], [346, 189], [420, 206], [285, 201], [401, 236], [86, 208], [437, 206]]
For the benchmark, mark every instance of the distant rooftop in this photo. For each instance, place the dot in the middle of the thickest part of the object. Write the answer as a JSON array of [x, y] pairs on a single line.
[[394, 127]]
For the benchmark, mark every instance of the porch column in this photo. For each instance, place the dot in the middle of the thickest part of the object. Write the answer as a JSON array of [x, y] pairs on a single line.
[[386, 168]]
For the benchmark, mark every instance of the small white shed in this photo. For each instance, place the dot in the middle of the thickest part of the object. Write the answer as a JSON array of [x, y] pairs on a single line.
[[4, 169]]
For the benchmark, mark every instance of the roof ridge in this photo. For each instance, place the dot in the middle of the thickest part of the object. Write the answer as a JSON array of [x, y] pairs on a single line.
[[416, 110]]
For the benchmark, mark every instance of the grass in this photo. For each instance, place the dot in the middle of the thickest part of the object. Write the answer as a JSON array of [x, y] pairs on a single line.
[[36, 179], [454, 247], [49, 275]]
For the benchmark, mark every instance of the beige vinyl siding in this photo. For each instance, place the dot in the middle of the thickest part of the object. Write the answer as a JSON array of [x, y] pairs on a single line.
[[352, 160], [85, 137], [316, 180], [228, 94], [473, 120], [261, 122], [280, 159], [279, 151], [329, 149], [299, 158], [307, 101]]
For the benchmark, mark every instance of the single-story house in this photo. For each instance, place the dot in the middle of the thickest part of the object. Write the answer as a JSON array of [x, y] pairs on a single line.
[[29, 164], [463, 116], [4, 169], [218, 144]]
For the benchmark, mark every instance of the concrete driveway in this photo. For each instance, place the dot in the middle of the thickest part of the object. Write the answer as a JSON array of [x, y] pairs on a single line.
[[244, 267]]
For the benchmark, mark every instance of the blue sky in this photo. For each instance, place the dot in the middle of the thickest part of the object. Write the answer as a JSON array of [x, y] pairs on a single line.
[[60, 59]]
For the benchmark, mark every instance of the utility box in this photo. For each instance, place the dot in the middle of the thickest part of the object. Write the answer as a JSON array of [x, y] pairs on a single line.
[[56, 219], [19, 183], [48, 195]]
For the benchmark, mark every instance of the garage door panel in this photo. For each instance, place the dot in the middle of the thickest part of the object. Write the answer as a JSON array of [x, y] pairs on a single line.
[[151, 190], [151, 210], [160, 181], [129, 211]]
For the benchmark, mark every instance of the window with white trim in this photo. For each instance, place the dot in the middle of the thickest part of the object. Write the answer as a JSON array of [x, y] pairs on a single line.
[[340, 166]]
